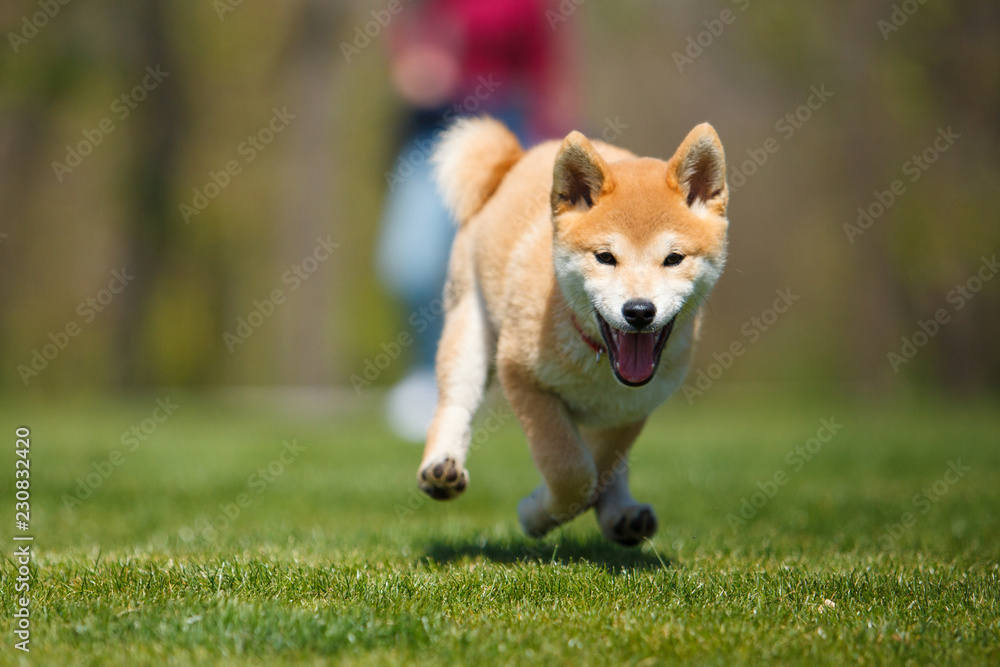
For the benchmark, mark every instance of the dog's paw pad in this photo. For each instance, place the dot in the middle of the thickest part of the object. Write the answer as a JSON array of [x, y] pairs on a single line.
[[442, 479], [635, 524]]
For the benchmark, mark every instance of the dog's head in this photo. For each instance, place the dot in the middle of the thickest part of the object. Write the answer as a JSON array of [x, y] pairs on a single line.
[[639, 243]]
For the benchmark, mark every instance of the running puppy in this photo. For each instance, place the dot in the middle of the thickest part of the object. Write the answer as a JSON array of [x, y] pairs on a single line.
[[577, 274]]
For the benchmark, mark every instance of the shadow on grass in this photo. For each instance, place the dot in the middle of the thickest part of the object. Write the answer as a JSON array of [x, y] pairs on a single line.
[[611, 557]]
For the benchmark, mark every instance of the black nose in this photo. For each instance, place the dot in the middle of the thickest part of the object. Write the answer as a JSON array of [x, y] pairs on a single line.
[[639, 312]]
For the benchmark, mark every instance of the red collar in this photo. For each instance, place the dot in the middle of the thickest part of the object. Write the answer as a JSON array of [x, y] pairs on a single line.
[[591, 343]]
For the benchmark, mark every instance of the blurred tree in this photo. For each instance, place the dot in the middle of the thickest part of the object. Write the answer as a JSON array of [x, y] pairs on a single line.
[[149, 177], [307, 352], [194, 279]]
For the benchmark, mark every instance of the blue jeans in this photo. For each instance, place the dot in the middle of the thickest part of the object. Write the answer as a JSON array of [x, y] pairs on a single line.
[[415, 241], [413, 249]]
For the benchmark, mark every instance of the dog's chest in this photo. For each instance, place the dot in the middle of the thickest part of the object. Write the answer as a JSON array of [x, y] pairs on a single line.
[[595, 398]]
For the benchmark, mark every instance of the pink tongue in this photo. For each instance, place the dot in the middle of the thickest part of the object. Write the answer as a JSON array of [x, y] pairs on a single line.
[[635, 354]]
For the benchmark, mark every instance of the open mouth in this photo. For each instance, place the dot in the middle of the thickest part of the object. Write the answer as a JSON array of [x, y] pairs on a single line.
[[634, 354]]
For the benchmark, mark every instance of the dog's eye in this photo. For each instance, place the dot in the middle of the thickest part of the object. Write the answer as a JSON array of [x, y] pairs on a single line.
[[673, 259], [606, 258]]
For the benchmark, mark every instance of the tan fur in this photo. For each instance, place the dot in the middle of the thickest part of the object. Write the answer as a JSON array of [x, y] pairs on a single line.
[[523, 267]]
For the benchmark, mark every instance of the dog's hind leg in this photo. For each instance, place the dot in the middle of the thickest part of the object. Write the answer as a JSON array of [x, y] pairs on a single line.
[[566, 466], [621, 518], [463, 364]]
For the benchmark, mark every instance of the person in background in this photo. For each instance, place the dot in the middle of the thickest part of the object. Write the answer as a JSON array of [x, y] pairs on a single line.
[[514, 60]]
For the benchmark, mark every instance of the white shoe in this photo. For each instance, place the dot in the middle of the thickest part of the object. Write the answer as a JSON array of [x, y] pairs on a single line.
[[409, 407]]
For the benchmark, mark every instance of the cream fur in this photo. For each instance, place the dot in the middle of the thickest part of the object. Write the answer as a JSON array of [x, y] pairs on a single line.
[[483, 142]]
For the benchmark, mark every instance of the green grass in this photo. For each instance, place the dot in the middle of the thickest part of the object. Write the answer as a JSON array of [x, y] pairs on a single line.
[[338, 558]]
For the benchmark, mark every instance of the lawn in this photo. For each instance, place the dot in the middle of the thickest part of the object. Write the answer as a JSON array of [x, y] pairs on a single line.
[[257, 530]]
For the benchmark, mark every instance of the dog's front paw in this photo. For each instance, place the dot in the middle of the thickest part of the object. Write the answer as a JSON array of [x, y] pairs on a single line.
[[632, 525], [442, 478]]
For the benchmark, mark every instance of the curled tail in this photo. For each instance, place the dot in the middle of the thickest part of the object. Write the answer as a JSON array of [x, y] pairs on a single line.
[[471, 159]]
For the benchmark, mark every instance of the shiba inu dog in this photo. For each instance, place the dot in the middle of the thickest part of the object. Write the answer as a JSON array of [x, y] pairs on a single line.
[[576, 277]]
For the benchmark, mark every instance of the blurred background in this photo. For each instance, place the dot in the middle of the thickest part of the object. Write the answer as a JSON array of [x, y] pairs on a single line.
[[191, 193]]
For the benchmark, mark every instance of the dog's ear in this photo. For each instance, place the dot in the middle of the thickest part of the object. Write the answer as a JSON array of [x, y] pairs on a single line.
[[698, 170], [580, 175]]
